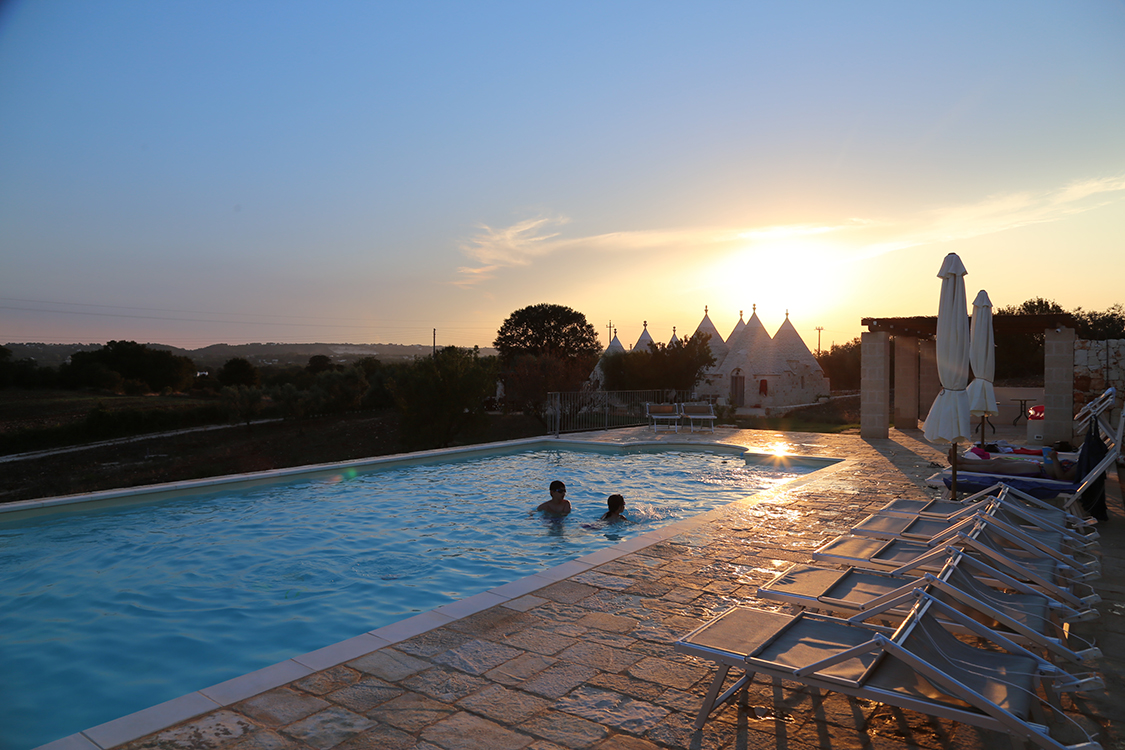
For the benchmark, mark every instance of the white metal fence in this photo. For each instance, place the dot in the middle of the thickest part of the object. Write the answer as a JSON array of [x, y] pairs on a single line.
[[604, 410]]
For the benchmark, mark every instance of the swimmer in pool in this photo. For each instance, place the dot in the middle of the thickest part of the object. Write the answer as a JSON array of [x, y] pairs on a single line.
[[616, 510], [558, 505]]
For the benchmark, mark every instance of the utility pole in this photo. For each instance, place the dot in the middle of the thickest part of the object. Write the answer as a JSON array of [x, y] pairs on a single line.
[[435, 342], [818, 330], [609, 333]]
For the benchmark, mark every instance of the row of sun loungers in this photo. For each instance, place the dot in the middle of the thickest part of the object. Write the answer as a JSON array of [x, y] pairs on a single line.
[[916, 580]]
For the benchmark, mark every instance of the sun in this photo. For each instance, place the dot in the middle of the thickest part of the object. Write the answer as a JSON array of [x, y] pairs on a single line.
[[801, 274]]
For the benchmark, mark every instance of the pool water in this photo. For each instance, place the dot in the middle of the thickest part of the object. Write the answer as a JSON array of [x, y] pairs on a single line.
[[106, 612]]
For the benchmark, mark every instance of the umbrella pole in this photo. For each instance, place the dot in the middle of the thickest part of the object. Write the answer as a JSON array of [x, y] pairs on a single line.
[[953, 466]]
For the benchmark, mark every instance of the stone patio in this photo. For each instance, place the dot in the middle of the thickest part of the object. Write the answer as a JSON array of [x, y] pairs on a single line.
[[587, 661]]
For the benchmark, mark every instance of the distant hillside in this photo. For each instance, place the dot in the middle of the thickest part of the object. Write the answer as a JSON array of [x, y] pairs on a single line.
[[53, 355]]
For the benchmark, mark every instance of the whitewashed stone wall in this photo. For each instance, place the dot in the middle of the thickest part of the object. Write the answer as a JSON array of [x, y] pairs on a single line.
[[1099, 365]]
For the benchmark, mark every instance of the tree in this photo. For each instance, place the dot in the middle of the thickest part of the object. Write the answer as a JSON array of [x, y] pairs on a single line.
[[841, 364], [238, 371], [438, 397], [546, 329], [319, 363], [127, 360], [677, 366]]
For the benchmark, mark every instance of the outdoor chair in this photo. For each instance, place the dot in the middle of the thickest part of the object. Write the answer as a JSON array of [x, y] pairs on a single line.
[[1030, 531], [663, 414], [1028, 506], [1070, 494], [919, 666], [1046, 574], [1012, 541], [702, 412], [1025, 615]]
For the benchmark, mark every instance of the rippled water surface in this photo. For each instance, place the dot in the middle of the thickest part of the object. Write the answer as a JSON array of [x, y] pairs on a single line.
[[107, 612]]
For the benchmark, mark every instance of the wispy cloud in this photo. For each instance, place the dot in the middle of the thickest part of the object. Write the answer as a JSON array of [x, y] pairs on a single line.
[[494, 249], [1000, 213]]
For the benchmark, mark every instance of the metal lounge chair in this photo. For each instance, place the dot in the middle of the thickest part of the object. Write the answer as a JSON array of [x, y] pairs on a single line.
[[1026, 616], [1043, 512], [1033, 532], [1069, 493], [1011, 541], [1045, 574], [919, 666]]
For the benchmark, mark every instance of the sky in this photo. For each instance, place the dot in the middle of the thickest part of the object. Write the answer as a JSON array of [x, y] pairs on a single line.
[[230, 171]]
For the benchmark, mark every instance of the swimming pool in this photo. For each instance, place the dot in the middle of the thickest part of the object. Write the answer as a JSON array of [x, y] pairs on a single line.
[[111, 610]]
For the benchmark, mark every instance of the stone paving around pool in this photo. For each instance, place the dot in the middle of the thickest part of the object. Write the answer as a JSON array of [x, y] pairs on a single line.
[[587, 662]]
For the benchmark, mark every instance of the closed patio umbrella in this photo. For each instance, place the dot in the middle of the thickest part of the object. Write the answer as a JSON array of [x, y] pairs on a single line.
[[982, 358], [948, 420]]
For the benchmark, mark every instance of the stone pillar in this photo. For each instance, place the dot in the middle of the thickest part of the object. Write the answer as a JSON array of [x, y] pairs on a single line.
[[929, 384], [1058, 385], [875, 384], [906, 382]]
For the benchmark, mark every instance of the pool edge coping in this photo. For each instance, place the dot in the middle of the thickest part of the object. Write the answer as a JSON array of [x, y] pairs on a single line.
[[163, 715]]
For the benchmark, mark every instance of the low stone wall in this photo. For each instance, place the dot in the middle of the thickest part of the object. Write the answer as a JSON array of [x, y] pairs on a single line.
[[1099, 365]]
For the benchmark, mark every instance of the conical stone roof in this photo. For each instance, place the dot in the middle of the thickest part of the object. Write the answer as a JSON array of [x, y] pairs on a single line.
[[719, 348], [789, 347], [749, 349], [644, 340]]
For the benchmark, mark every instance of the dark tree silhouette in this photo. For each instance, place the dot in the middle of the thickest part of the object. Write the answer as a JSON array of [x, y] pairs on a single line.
[[239, 371], [679, 366], [545, 329]]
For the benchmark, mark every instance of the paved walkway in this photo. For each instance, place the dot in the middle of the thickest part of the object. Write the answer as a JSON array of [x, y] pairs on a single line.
[[587, 661]]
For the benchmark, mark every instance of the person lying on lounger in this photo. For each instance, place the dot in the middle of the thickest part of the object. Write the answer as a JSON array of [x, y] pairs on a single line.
[[1052, 468]]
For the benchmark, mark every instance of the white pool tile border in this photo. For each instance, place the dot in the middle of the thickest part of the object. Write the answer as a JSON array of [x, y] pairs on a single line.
[[164, 715]]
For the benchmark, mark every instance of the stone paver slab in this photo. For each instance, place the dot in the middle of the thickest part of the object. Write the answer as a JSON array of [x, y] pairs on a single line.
[[328, 728], [280, 707], [380, 737], [540, 641], [389, 664], [443, 684], [668, 673], [463, 731], [412, 712], [599, 656], [334, 678], [477, 656], [210, 731], [521, 668], [365, 694], [612, 709], [557, 681], [565, 729], [606, 621], [503, 705]]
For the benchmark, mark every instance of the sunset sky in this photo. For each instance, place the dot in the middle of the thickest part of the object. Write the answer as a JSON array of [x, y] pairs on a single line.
[[232, 171]]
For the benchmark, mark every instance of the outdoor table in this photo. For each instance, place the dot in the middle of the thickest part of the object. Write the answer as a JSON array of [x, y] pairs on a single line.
[[1023, 409]]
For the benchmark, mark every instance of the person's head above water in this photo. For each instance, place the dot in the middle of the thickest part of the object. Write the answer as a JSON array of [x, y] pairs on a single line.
[[559, 487], [616, 504]]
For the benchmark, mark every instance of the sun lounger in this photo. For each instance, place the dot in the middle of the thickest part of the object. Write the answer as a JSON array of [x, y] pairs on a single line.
[[1027, 616], [663, 414], [1042, 488], [1043, 512], [1031, 530], [919, 666], [1047, 574], [703, 413], [1016, 542]]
